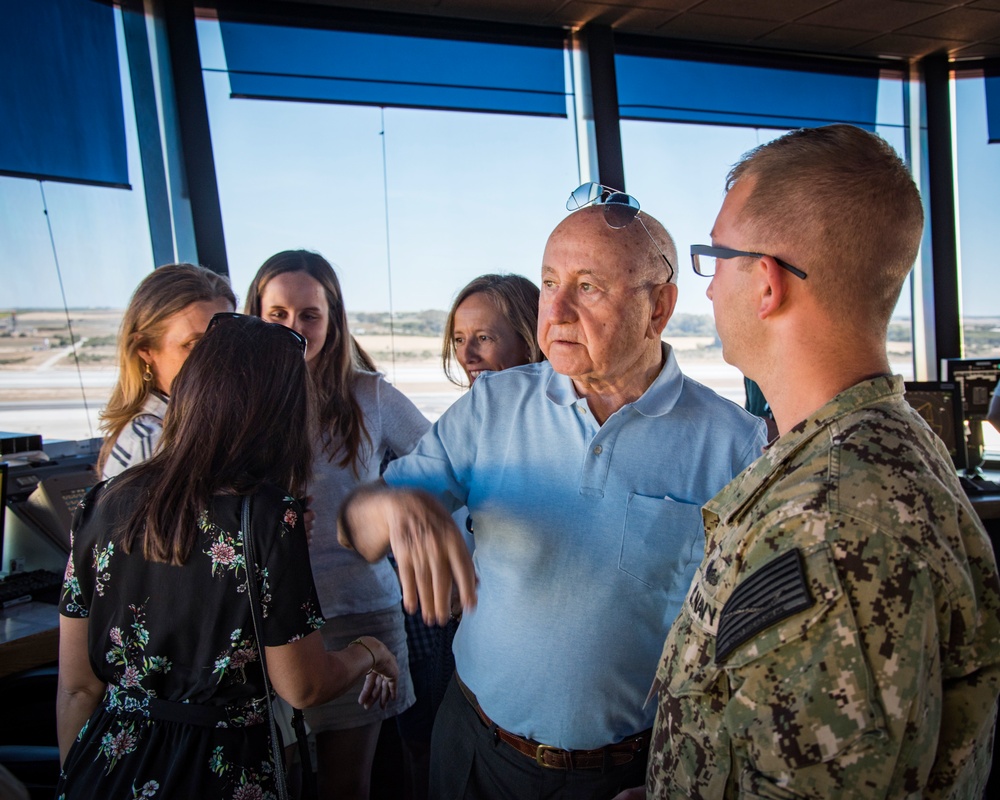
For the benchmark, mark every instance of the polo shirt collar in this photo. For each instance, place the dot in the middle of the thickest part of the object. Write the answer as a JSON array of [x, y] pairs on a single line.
[[657, 400]]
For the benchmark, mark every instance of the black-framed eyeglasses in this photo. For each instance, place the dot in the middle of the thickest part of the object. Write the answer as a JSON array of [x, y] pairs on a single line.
[[620, 210], [703, 259], [226, 316]]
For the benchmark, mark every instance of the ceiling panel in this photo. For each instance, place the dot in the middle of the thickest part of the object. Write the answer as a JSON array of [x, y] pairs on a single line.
[[716, 29], [905, 29], [898, 45], [883, 16], [836, 41], [963, 24]]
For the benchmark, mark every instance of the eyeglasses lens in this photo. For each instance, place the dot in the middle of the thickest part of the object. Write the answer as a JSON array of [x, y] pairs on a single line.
[[620, 209], [704, 265], [583, 196]]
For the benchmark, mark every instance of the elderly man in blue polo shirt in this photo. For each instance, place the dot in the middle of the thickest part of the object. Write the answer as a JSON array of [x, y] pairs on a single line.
[[584, 476]]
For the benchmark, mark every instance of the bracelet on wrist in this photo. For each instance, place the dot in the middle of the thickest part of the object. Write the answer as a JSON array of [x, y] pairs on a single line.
[[370, 652]]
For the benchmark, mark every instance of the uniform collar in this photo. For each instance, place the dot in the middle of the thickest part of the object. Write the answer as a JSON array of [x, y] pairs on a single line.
[[729, 504]]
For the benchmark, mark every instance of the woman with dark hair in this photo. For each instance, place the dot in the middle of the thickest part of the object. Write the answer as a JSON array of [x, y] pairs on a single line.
[[492, 325], [165, 317], [161, 690], [359, 417]]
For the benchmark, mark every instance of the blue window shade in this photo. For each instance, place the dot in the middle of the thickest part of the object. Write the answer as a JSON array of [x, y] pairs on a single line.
[[993, 104], [61, 111], [674, 90], [334, 66]]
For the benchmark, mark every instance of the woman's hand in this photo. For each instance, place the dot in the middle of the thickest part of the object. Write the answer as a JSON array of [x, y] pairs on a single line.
[[381, 680]]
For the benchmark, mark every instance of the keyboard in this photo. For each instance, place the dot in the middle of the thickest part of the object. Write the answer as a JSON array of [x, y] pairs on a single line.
[[42, 585], [977, 486]]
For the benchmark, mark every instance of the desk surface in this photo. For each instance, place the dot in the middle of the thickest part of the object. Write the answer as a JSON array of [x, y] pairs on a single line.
[[987, 505], [29, 637]]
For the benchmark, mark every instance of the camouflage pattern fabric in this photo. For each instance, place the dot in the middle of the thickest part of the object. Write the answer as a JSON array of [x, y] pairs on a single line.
[[864, 659]]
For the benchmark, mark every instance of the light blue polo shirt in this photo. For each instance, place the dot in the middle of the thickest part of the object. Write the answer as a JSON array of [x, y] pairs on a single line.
[[587, 538]]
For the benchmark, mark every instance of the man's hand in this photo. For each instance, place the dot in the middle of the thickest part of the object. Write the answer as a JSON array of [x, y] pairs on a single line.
[[430, 553]]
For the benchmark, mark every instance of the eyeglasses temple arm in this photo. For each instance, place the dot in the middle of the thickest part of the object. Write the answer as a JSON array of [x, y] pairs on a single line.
[[638, 217]]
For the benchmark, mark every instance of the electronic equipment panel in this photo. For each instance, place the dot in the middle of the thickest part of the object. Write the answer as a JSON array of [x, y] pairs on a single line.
[[45, 495], [976, 379], [940, 404]]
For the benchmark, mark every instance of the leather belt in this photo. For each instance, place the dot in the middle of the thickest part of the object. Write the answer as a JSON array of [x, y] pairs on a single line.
[[612, 755]]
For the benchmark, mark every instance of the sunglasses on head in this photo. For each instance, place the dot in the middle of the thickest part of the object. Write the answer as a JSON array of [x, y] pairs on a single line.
[[232, 316], [620, 210]]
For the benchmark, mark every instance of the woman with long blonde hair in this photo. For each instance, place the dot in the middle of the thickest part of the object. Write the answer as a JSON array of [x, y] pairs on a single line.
[[165, 318]]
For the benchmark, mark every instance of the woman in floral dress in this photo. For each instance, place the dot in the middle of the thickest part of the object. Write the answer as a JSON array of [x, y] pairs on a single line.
[[161, 691]]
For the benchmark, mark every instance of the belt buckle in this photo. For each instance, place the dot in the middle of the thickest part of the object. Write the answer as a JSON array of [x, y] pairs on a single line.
[[540, 752]]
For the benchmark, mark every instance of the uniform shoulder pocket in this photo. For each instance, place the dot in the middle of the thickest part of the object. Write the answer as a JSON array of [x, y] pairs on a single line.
[[805, 688]]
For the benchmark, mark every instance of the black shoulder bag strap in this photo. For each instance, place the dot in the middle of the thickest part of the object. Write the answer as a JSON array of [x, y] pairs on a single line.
[[258, 628]]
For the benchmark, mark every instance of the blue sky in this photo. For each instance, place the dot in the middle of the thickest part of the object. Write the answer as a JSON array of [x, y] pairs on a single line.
[[435, 198]]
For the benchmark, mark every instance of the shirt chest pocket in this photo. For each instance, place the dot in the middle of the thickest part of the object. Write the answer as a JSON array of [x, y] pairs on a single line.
[[662, 542]]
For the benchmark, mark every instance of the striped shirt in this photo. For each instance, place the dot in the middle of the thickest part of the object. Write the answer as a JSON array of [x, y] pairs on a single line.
[[139, 437]]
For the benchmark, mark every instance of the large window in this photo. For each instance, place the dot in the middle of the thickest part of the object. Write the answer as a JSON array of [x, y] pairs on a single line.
[[87, 246], [677, 170], [977, 179], [409, 205]]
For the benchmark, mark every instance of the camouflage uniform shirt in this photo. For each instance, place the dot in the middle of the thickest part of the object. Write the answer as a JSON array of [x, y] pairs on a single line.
[[841, 638]]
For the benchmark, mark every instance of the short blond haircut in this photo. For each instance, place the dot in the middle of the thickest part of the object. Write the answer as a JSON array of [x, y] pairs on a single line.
[[840, 204]]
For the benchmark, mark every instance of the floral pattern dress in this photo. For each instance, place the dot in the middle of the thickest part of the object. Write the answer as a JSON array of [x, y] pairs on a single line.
[[183, 715]]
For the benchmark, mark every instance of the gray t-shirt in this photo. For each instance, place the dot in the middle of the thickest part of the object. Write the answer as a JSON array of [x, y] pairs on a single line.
[[346, 583]]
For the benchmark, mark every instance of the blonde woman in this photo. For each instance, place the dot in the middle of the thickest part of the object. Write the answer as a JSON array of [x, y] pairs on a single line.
[[492, 325], [359, 417], [167, 315]]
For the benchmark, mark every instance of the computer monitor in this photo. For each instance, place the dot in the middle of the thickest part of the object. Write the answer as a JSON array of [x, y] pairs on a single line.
[[52, 503], [976, 379], [43, 495], [940, 404]]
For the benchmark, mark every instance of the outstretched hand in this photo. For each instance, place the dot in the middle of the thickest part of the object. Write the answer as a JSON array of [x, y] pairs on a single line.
[[431, 555]]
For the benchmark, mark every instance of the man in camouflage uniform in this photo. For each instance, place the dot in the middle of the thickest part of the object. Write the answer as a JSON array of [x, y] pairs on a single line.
[[841, 637]]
